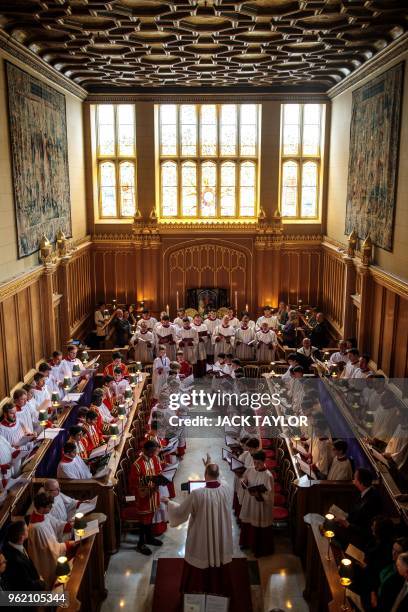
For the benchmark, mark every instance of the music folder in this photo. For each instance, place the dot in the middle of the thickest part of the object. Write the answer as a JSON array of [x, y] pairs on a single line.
[[237, 466], [227, 455], [193, 485]]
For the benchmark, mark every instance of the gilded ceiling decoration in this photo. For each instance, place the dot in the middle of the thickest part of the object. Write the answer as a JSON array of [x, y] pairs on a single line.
[[129, 45]]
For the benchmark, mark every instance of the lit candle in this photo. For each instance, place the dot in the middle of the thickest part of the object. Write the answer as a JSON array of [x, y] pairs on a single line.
[[177, 300], [236, 301], [246, 308], [128, 393], [167, 309], [122, 411]]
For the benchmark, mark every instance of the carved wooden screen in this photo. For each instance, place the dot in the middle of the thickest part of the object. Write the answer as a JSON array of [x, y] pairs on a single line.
[[208, 265]]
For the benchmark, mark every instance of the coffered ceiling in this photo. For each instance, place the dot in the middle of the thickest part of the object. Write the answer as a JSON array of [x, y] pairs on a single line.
[[134, 45]]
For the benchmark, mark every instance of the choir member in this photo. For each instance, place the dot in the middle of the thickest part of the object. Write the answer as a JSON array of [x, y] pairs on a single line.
[[143, 343], [76, 435], [320, 448], [219, 365], [101, 324], [93, 438], [57, 373], [98, 405], [307, 354], [161, 367], [117, 362], [257, 507], [150, 321], [69, 361], [245, 340], [211, 322], [9, 461], [319, 335], [118, 385], [40, 391], [21, 573], [63, 506], [188, 341], [249, 447], [397, 447], [146, 493], [223, 338], [72, 465], [233, 321], [208, 550], [290, 329], [340, 355], [45, 535], [185, 370], [266, 344], [166, 335], [386, 418], [51, 384], [356, 527], [181, 315], [390, 580], [14, 431], [352, 363], [296, 391], [268, 317], [401, 601], [293, 360], [202, 333], [122, 328], [26, 413], [363, 371], [341, 468]]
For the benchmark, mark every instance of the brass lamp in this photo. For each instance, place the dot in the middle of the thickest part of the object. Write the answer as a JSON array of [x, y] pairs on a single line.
[[128, 393], [42, 419], [79, 524], [346, 578], [67, 383], [76, 370], [133, 380], [55, 399], [328, 531], [85, 357], [122, 412], [63, 572], [114, 431]]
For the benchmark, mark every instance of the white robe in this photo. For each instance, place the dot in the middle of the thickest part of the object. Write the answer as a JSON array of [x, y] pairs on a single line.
[[247, 460], [41, 395], [243, 337], [209, 535], [25, 417], [263, 352], [321, 454], [6, 460], [256, 513], [397, 447], [338, 357], [75, 469], [161, 332], [44, 546], [139, 341], [178, 322], [385, 423], [350, 370], [201, 346], [223, 346], [273, 322], [67, 366], [151, 322], [159, 378], [189, 352], [210, 324], [234, 322], [14, 434], [63, 507], [340, 470]]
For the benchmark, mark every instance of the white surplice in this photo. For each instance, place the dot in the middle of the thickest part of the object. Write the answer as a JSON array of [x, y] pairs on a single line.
[[254, 512], [168, 333], [44, 546], [185, 338], [273, 322], [210, 324], [340, 469], [140, 341], [243, 336], [161, 367], [151, 323], [263, 352], [226, 342], [209, 535], [63, 507], [74, 469]]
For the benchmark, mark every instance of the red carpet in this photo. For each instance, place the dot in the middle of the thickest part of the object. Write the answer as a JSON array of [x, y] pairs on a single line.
[[168, 597]]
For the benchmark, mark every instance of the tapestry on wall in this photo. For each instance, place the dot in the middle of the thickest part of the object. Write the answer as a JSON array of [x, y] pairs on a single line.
[[38, 137], [373, 161]]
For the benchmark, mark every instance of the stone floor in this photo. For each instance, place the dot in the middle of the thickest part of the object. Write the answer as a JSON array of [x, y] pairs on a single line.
[[129, 574]]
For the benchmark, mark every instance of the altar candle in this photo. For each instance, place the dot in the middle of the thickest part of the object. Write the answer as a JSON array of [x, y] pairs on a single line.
[[167, 309], [177, 300], [236, 301], [246, 308]]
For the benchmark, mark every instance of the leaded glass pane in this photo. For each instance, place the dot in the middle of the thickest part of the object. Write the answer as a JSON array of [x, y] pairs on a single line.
[[188, 120], [248, 129], [169, 189], [228, 144], [208, 129], [126, 129], [106, 129], [107, 179], [247, 189], [227, 195], [208, 196], [127, 189], [291, 129], [189, 189], [168, 129], [289, 189], [311, 129], [309, 190]]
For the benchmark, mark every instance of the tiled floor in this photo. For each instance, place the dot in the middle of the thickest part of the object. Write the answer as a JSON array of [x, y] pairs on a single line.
[[128, 578]]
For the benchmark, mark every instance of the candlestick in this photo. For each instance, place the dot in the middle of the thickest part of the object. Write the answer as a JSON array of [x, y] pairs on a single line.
[[246, 308], [177, 300], [236, 301], [167, 309]]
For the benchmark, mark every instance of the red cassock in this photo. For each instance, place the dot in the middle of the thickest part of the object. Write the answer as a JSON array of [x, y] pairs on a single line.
[[185, 369], [92, 439], [108, 371], [145, 506]]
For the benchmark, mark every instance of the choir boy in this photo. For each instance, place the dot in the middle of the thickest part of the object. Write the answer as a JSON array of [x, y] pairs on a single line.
[[202, 333], [341, 468], [93, 437], [245, 339], [266, 344], [161, 367], [320, 449], [269, 318], [188, 341], [233, 321], [76, 435], [219, 365], [166, 335], [143, 343], [117, 362], [72, 466], [223, 337], [185, 370], [257, 507], [51, 384], [339, 356], [119, 385], [40, 391], [211, 322], [69, 361], [181, 315], [148, 319], [249, 447]]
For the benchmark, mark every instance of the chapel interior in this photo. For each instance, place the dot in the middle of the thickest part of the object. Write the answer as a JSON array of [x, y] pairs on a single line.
[[209, 159]]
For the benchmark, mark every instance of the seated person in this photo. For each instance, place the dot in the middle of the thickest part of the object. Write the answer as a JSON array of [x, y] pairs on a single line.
[[93, 437], [45, 539], [116, 363], [118, 386], [401, 601], [352, 363], [356, 527], [186, 369], [306, 354], [77, 436], [40, 391], [14, 430], [319, 336], [70, 360], [63, 506], [21, 573], [390, 580], [341, 468], [72, 465], [26, 412]]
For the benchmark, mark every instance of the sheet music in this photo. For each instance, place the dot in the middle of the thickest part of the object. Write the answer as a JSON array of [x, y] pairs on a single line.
[[300, 448], [88, 506], [98, 451], [215, 603], [305, 467], [91, 528], [50, 434], [194, 602], [72, 397], [356, 553], [338, 512]]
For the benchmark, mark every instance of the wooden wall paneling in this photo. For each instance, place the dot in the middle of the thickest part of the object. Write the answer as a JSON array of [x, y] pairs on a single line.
[[11, 344], [377, 318], [23, 325], [3, 361], [389, 334], [400, 351]]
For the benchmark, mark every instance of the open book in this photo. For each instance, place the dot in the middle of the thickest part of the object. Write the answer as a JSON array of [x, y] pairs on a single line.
[[305, 467], [237, 466], [356, 553], [338, 512], [88, 506], [200, 602]]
